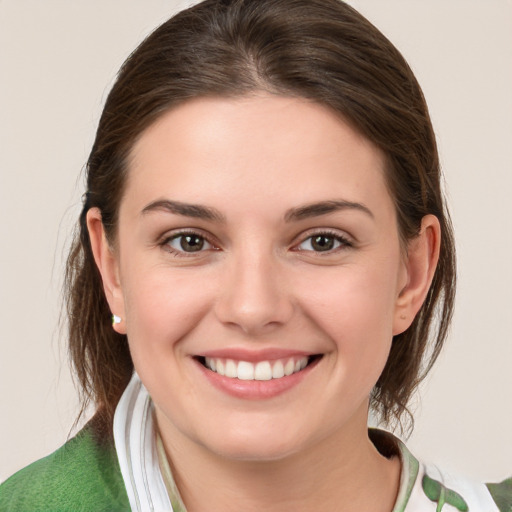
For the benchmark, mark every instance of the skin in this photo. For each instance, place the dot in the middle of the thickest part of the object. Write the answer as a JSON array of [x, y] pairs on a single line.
[[259, 284]]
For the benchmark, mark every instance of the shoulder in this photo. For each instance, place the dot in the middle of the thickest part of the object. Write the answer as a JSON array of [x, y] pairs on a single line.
[[82, 475], [426, 487], [502, 494], [463, 494]]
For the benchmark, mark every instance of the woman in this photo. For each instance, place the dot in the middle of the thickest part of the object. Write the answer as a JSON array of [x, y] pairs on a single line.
[[264, 224]]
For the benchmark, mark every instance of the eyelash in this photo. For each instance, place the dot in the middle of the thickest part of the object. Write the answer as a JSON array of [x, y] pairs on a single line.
[[342, 241], [165, 243]]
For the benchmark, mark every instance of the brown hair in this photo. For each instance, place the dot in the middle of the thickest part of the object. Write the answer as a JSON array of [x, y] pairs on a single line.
[[322, 50]]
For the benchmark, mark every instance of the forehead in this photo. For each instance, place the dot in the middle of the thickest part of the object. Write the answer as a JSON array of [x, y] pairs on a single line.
[[278, 148]]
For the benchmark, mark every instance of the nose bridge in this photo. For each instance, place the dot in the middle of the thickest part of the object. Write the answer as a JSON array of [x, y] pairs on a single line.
[[255, 296]]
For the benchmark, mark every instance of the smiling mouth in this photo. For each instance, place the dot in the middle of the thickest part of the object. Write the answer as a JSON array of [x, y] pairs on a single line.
[[262, 370]]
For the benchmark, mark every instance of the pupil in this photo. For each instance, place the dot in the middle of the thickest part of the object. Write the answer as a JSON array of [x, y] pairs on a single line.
[[191, 243], [322, 243]]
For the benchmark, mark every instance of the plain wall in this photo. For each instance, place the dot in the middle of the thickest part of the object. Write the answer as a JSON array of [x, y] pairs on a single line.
[[57, 61]]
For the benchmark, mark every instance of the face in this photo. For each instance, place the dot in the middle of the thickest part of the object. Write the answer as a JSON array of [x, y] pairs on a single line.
[[258, 272]]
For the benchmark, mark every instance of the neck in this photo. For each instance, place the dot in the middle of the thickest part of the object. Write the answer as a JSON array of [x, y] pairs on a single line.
[[344, 469]]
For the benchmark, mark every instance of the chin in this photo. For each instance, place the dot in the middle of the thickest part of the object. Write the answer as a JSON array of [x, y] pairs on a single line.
[[258, 443], [250, 451]]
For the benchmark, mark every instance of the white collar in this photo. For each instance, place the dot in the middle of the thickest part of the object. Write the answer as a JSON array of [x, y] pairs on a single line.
[[137, 452], [134, 437]]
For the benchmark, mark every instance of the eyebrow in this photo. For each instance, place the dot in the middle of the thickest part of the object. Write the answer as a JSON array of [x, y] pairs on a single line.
[[198, 211], [323, 208], [186, 209]]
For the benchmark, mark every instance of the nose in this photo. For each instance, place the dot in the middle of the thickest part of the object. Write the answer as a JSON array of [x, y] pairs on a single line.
[[255, 297]]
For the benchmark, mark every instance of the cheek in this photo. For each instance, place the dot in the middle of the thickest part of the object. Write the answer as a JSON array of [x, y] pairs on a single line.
[[162, 307], [355, 309], [351, 300]]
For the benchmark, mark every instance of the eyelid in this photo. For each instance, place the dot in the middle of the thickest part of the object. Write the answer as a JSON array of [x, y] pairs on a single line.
[[345, 240], [164, 240]]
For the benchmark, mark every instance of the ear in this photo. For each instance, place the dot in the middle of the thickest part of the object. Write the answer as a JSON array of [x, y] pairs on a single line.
[[419, 265], [108, 266]]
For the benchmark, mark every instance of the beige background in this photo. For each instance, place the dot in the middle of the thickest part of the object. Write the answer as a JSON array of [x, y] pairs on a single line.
[[57, 60]]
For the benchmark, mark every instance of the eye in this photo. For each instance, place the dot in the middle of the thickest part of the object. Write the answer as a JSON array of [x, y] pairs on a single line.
[[323, 242], [188, 243]]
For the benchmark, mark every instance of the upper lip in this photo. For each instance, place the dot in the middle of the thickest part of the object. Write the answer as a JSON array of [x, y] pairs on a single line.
[[253, 356]]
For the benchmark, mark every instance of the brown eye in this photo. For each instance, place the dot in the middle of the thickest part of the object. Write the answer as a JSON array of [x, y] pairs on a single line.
[[189, 242], [323, 242]]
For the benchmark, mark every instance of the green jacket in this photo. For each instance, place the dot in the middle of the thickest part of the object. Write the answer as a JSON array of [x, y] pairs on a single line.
[[83, 475]]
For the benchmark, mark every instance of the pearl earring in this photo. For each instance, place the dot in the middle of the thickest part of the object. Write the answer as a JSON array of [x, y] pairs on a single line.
[[116, 319]]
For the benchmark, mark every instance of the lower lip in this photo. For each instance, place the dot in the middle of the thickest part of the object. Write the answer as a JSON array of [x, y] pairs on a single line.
[[256, 389]]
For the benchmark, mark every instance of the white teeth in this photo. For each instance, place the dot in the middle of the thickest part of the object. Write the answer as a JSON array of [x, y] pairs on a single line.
[[230, 369], [289, 367], [277, 370], [245, 370], [263, 370]]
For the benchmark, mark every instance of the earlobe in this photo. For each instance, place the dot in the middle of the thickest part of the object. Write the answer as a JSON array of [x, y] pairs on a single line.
[[108, 266], [420, 265]]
